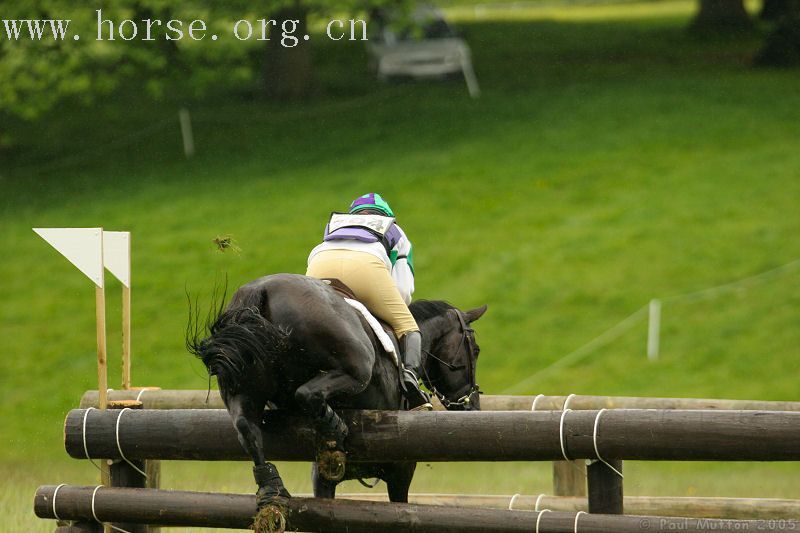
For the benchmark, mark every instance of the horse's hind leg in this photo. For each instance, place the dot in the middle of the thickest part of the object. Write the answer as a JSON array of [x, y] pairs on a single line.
[[322, 487], [312, 397], [398, 480]]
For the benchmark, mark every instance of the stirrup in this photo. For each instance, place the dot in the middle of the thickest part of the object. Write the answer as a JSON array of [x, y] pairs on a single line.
[[413, 395], [424, 407]]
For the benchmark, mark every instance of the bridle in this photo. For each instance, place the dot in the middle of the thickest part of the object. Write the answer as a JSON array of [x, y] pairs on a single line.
[[472, 388]]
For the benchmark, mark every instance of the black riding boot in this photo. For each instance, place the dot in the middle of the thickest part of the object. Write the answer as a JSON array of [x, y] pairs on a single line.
[[411, 346]]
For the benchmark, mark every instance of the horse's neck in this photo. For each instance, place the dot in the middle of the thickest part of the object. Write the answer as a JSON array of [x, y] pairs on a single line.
[[430, 335]]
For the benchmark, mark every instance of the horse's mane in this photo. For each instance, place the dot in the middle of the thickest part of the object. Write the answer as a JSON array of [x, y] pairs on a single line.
[[423, 310], [240, 340]]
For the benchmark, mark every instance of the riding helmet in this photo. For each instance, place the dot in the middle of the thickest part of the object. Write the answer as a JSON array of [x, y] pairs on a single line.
[[371, 200]]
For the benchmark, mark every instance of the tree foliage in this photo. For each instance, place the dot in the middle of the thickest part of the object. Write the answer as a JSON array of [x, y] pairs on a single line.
[[782, 48], [37, 74], [721, 16]]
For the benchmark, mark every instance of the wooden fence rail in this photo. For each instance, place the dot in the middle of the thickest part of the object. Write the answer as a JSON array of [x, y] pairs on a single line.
[[694, 506], [195, 509], [376, 436], [202, 399]]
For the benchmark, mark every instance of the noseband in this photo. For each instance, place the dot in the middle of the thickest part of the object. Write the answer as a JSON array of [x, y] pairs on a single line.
[[468, 343]]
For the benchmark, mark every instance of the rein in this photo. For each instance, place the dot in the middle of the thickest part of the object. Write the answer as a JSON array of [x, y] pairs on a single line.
[[468, 343], [450, 366]]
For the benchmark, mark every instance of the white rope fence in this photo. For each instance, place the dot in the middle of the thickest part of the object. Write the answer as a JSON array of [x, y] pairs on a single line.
[[581, 352], [653, 310]]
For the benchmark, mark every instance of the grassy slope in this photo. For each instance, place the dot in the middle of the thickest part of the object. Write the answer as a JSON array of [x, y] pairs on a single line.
[[611, 159]]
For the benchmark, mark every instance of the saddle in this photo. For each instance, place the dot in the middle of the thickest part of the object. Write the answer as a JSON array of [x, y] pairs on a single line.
[[340, 287], [346, 292]]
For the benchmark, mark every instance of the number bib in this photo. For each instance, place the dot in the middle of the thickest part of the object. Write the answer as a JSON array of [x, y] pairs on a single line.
[[375, 223]]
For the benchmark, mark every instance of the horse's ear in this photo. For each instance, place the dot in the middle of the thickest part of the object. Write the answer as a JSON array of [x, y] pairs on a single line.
[[474, 314]]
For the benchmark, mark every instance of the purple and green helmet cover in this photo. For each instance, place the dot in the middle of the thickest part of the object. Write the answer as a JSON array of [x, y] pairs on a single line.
[[371, 200]]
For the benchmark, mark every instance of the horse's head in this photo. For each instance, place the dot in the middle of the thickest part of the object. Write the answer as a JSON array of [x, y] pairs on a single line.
[[452, 353]]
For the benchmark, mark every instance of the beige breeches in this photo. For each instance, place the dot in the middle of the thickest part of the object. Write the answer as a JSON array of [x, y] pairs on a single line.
[[370, 281]]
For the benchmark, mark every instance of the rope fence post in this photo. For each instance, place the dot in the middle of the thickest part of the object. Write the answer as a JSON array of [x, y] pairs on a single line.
[[654, 329], [654, 308], [186, 132]]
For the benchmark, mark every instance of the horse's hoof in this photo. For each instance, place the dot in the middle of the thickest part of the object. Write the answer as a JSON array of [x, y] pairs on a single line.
[[270, 519], [331, 464], [271, 516]]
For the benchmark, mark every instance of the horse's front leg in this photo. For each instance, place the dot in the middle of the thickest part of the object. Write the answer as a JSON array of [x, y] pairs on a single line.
[[312, 397], [247, 421], [398, 478]]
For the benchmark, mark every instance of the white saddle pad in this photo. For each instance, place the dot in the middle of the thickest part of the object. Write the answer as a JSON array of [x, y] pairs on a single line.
[[383, 337]]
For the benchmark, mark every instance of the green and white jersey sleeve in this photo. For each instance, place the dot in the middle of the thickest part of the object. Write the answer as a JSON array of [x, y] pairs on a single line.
[[402, 260]]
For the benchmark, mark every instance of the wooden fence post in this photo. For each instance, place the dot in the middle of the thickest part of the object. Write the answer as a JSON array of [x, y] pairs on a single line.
[[129, 473], [569, 478], [605, 487]]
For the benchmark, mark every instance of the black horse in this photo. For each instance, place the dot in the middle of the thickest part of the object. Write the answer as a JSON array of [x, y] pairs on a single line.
[[293, 342]]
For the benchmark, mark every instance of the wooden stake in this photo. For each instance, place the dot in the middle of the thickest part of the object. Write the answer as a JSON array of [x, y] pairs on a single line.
[[102, 371], [126, 337], [102, 355]]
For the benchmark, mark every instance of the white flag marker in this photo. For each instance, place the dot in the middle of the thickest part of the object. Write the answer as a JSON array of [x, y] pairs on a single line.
[[83, 247], [117, 255], [117, 259]]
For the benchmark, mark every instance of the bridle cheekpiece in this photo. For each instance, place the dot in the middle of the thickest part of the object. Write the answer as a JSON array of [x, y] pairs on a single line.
[[472, 388]]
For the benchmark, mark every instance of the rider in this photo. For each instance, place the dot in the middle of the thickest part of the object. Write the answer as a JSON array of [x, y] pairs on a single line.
[[368, 252]]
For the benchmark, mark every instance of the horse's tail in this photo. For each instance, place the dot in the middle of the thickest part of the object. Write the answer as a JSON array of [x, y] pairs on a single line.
[[241, 342]]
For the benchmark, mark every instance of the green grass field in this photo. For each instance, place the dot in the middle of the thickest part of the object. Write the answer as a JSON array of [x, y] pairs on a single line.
[[611, 159]]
